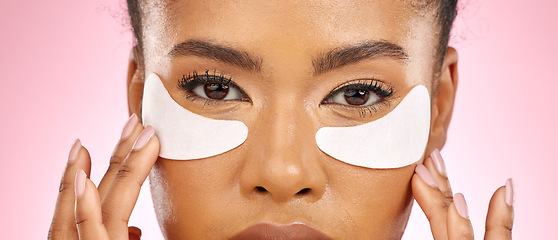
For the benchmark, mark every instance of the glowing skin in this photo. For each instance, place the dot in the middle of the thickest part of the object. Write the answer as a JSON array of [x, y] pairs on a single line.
[[279, 174], [285, 69], [396, 140], [184, 135]]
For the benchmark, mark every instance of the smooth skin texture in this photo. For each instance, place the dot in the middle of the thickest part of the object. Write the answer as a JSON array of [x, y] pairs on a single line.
[[436, 201], [278, 174]]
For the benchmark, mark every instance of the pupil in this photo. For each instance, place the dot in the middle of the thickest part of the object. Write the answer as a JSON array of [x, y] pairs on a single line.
[[356, 96], [216, 90]]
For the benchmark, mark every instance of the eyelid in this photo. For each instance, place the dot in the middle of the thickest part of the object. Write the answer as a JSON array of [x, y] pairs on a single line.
[[192, 80], [189, 82], [382, 89]]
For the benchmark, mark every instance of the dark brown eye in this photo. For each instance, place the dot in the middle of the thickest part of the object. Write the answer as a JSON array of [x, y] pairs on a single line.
[[353, 97], [356, 96], [216, 90], [359, 93]]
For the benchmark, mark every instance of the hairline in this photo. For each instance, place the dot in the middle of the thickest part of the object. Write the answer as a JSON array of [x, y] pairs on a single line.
[[444, 11]]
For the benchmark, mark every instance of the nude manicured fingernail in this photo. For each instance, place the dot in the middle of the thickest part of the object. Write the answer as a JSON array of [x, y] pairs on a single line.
[[129, 126], [510, 193], [438, 162], [425, 175], [461, 205], [80, 183], [144, 138], [74, 151]]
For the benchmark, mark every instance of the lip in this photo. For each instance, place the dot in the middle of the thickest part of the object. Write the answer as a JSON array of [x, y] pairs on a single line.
[[274, 231]]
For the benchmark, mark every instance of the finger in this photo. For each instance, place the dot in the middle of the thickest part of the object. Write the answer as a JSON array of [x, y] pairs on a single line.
[[88, 218], [129, 134], [431, 200], [123, 193], [63, 224], [459, 225], [435, 164], [499, 220]]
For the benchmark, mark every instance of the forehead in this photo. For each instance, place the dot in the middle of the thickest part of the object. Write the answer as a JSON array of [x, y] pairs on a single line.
[[293, 29], [305, 20]]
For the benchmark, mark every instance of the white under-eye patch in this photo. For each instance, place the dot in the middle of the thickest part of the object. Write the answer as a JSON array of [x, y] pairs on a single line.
[[184, 135], [396, 140]]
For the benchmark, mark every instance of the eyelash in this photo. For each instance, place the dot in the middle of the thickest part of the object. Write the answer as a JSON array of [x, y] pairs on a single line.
[[189, 82], [383, 90]]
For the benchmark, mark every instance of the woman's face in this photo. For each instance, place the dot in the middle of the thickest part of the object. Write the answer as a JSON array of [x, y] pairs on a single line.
[[286, 60]]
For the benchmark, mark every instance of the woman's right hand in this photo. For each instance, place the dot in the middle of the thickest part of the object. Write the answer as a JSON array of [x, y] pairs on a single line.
[[448, 214], [84, 211]]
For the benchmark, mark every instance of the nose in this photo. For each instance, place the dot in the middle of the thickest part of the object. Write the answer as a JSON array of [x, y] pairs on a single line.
[[283, 160]]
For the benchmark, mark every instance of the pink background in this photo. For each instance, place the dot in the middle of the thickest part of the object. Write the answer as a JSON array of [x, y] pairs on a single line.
[[63, 65]]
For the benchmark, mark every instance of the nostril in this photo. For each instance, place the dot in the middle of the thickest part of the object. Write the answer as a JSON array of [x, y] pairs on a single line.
[[300, 193], [260, 189], [303, 191]]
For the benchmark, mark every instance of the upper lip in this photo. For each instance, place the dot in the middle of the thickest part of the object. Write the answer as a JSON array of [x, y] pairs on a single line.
[[274, 231]]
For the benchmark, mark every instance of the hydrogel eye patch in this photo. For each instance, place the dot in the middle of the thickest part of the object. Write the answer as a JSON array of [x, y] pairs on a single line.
[[396, 140], [184, 135]]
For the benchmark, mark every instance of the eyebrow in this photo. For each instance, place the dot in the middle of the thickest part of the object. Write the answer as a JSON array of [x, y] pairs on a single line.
[[343, 56], [212, 51]]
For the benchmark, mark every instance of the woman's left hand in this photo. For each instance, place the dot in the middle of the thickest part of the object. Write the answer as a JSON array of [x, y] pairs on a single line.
[[448, 214]]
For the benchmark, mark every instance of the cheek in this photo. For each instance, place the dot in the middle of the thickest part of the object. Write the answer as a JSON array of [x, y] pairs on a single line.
[[379, 201], [201, 198], [188, 196]]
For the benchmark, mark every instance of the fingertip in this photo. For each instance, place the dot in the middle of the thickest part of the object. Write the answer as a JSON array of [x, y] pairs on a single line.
[[503, 199], [87, 198], [425, 175], [152, 146], [500, 216], [461, 205], [64, 213], [78, 158], [154, 137], [438, 161], [129, 126], [432, 202], [510, 192], [459, 224], [73, 154], [143, 138], [130, 133], [80, 183], [499, 197], [88, 216], [155, 141]]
